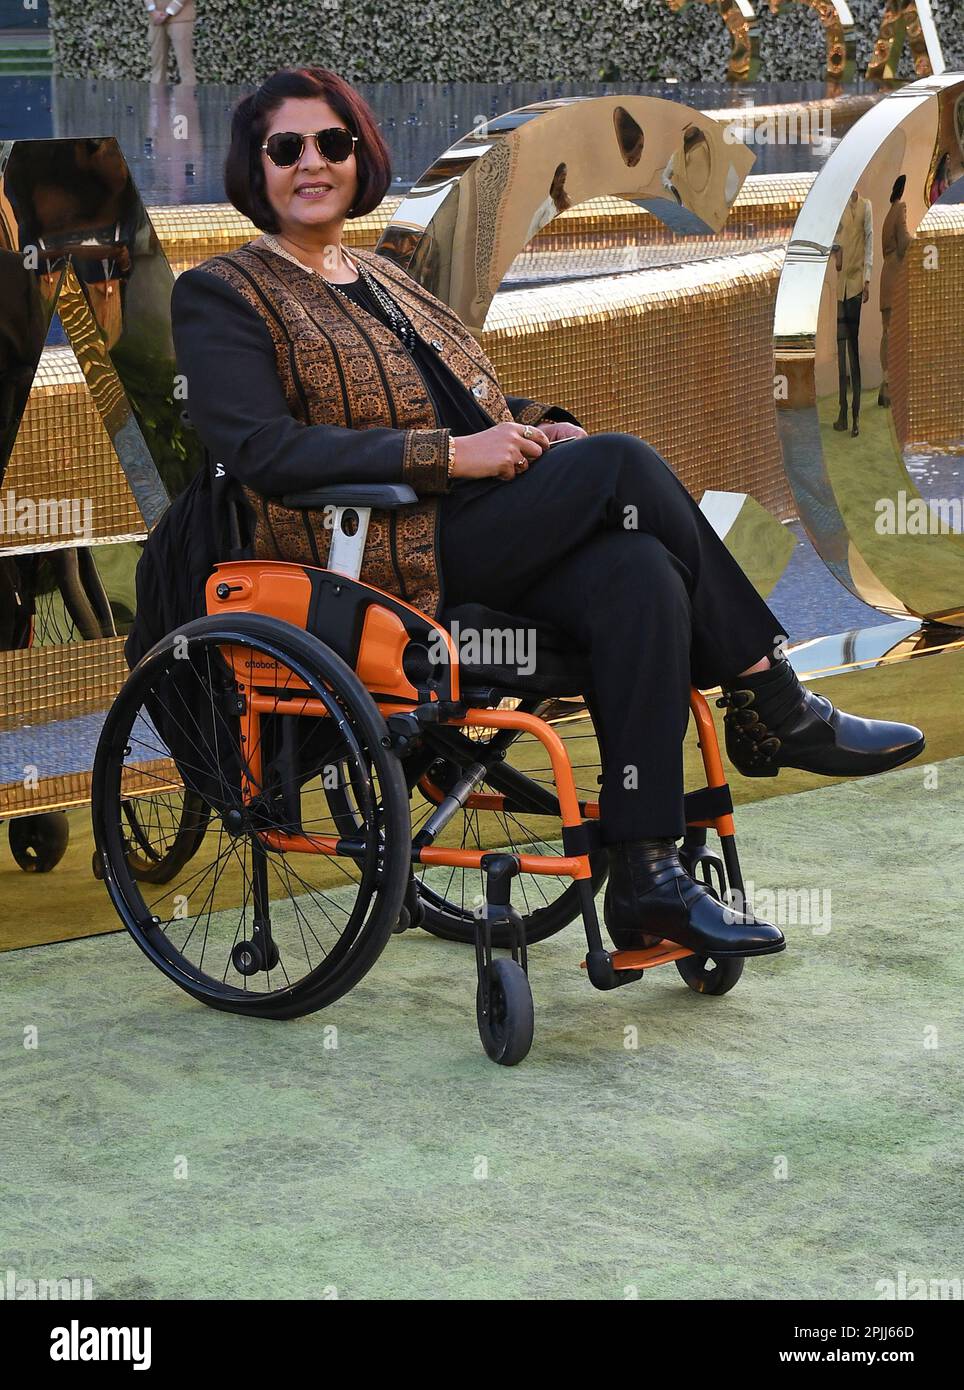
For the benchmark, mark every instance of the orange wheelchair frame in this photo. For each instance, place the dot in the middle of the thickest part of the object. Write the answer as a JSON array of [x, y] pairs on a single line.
[[411, 699]]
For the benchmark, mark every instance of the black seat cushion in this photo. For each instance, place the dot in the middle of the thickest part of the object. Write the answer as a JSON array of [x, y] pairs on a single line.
[[557, 666]]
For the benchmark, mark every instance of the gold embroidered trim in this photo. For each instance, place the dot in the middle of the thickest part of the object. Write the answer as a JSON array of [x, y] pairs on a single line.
[[438, 324], [280, 534], [318, 348], [425, 460], [532, 414]]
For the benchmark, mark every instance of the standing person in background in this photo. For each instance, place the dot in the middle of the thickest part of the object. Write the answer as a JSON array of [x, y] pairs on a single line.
[[854, 257], [173, 23], [895, 243]]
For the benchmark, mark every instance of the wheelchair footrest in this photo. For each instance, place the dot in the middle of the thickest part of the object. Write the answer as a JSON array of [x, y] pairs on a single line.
[[660, 954]]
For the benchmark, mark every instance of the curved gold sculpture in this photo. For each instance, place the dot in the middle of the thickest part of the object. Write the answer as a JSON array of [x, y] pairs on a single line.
[[840, 32], [487, 196], [862, 511], [912, 20], [75, 239], [740, 18]]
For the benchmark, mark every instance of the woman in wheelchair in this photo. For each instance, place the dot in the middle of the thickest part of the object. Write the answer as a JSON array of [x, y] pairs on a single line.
[[307, 365]]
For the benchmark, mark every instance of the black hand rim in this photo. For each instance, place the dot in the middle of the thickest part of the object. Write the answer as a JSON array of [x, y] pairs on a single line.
[[358, 719]]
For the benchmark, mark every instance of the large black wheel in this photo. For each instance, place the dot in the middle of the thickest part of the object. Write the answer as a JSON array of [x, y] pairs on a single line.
[[39, 842], [245, 924], [528, 822], [507, 1026]]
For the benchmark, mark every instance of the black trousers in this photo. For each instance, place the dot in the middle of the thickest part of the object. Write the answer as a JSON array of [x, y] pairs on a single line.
[[848, 346], [600, 538]]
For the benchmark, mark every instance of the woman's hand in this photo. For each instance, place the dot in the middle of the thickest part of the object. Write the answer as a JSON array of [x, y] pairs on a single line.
[[500, 452], [562, 429]]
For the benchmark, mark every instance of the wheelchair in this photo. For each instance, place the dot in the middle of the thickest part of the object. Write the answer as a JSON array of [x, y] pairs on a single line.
[[283, 784]]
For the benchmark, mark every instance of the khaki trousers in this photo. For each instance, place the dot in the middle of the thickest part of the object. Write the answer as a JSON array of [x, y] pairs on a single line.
[[178, 31]]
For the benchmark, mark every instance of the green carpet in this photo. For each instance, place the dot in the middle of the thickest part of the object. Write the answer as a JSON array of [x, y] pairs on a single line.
[[403, 1164]]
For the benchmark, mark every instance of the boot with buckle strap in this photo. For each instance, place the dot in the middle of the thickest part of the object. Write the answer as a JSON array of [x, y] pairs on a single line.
[[650, 897], [774, 721]]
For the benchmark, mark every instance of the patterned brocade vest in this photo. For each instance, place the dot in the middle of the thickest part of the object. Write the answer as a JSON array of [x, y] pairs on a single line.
[[339, 365]]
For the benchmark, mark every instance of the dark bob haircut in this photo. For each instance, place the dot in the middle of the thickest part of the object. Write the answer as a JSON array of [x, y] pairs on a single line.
[[243, 174]]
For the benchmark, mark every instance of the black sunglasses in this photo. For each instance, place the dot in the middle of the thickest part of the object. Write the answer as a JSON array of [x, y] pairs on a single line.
[[286, 147]]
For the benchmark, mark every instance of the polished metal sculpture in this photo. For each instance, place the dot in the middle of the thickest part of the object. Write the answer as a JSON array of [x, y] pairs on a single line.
[[761, 544], [840, 33], [84, 486], [884, 644], [483, 200], [913, 21], [76, 240], [842, 324], [902, 20], [740, 18]]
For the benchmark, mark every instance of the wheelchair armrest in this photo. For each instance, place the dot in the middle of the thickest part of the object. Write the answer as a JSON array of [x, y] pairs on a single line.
[[384, 495]]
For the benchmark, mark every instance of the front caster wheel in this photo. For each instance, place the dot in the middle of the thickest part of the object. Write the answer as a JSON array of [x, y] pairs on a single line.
[[507, 1026], [708, 976], [38, 843], [249, 957], [704, 974]]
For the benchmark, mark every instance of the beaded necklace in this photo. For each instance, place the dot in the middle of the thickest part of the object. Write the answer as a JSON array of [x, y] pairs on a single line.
[[398, 321]]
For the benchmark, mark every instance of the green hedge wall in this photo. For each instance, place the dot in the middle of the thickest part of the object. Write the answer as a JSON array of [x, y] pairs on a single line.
[[441, 40]]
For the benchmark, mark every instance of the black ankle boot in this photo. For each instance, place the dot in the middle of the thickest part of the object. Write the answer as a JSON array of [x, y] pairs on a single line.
[[773, 721], [651, 897], [841, 421]]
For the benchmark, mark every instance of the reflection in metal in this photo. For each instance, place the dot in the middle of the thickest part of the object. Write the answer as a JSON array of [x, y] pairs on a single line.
[[65, 595], [856, 499], [841, 35], [755, 538], [75, 239], [488, 195], [913, 20], [835, 113], [740, 18], [864, 648]]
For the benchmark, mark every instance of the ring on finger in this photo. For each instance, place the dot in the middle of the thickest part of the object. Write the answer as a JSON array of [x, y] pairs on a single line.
[[527, 432]]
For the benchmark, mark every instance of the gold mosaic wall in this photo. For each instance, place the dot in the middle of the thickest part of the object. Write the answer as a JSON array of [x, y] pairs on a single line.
[[40, 686], [631, 354], [767, 205], [679, 354], [934, 340], [63, 437]]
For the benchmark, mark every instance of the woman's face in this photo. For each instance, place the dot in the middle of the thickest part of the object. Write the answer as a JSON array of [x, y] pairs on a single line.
[[299, 210]]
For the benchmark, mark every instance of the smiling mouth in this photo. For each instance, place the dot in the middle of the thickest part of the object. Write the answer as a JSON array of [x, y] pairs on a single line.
[[313, 191]]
